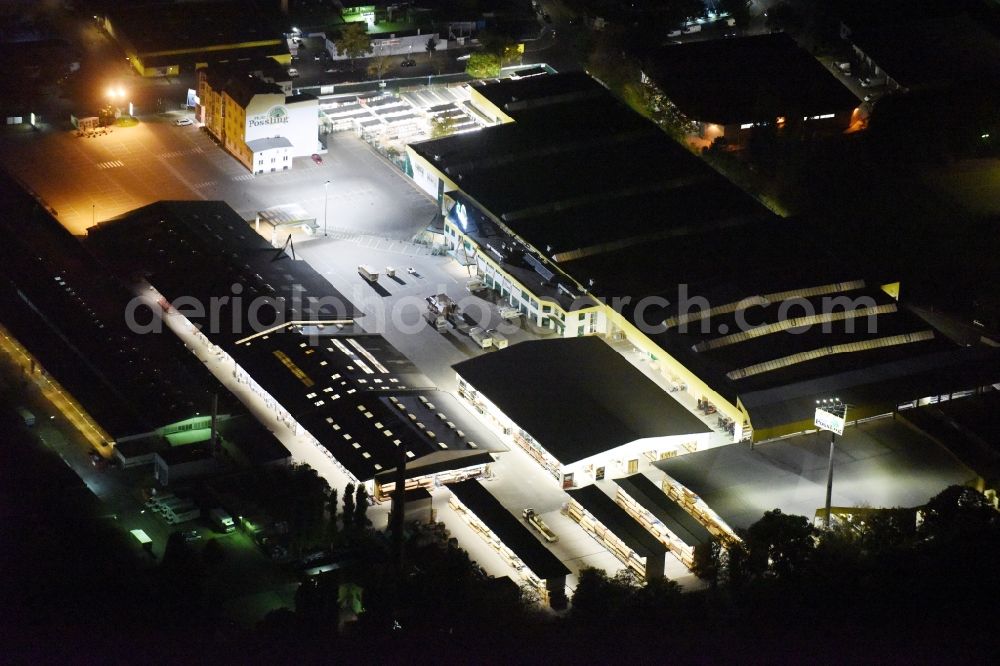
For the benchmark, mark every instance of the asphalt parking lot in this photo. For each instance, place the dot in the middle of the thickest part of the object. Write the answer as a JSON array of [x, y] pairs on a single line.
[[395, 307], [88, 180]]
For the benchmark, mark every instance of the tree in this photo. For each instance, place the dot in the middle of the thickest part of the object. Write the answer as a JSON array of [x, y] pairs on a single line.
[[431, 48], [496, 42], [737, 563], [361, 507], [780, 544], [783, 17], [707, 563], [377, 66], [353, 42], [483, 66], [442, 126], [349, 507], [739, 10], [331, 507], [957, 511]]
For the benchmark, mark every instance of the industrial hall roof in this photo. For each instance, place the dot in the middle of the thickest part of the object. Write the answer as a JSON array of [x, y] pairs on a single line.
[[511, 531], [515, 95], [67, 309], [580, 198], [303, 348], [617, 520], [364, 403], [579, 172], [204, 250], [746, 79], [155, 27], [603, 401], [673, 516]]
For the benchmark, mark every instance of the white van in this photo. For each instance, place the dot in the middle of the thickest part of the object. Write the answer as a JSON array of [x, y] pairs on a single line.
[[26, 416]]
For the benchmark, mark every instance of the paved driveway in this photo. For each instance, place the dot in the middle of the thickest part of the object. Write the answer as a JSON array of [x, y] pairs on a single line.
[[88, 180]]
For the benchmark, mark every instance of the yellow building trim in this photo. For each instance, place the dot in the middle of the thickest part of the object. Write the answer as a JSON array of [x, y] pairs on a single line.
[[488, 108], [214, 47], [53, 391]]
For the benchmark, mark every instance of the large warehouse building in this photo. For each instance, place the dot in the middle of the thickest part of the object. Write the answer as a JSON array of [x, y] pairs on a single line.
[[291, 338], [616, 420], [64, 322], [730, 88], [646, 243], [167, 39]]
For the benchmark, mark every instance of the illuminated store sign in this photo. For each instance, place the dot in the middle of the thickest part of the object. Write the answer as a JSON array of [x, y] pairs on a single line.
[[276, 115]]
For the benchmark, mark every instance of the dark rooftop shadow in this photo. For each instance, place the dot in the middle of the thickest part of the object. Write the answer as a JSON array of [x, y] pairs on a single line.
[[379, 289], [458, 341]]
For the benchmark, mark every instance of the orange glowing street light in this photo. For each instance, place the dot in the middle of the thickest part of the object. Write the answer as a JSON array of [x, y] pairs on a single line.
[[117, 94]]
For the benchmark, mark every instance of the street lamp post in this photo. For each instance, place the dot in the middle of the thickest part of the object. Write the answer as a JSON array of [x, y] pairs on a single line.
[[829, 481], [326, 203], [831, 414]]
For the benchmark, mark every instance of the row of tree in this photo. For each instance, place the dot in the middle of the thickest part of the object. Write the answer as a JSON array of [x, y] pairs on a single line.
[[881, 587], [354, 42]]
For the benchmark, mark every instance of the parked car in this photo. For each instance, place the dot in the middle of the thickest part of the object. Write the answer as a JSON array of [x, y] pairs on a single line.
[[293, 73], [191, 535], [181, 122], [317, 159]]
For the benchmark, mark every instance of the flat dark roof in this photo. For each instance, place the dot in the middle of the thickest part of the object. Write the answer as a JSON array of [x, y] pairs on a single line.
[[746, 79], [180, 455], [756, 260], [933, 51], [242, 89], [515, 95], [684, 526], [603, 401], [642, 217], [217, 74], [514, 533], [615, 518], [257, 443], [157, 26], [896, 378], [200, 250], [67, 309], [969, 427]]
